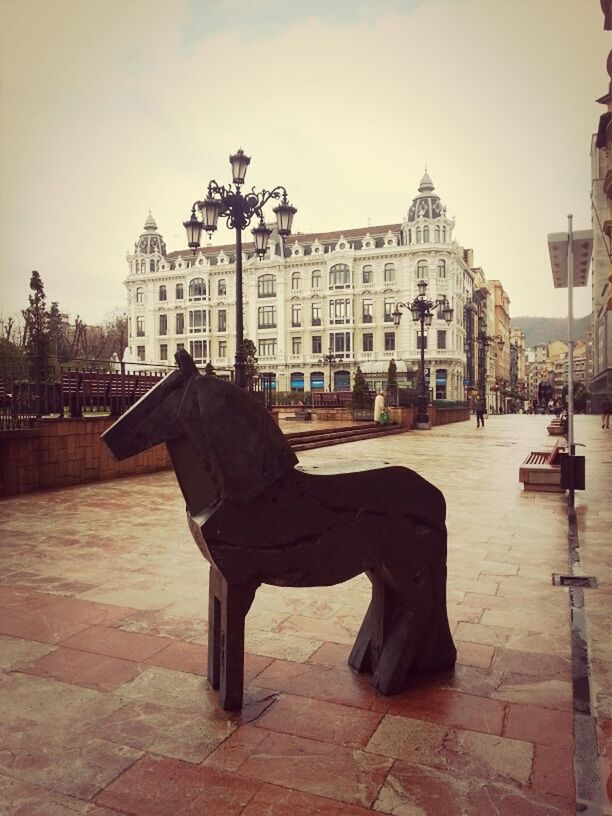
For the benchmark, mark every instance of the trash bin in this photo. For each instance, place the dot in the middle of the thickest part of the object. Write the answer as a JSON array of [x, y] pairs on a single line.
[[565, 460]]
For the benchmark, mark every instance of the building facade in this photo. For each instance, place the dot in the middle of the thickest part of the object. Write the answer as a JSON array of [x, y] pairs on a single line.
[[601, 197], [518, 373], [502, 351], [313, 296]]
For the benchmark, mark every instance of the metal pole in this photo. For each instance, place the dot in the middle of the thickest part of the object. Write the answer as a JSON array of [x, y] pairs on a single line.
[[240, 364], [422, 417], [570, 357]]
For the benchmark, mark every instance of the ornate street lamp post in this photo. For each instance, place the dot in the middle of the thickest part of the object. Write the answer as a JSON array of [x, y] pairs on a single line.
[[239, 208], [422, 311], [330, 358]]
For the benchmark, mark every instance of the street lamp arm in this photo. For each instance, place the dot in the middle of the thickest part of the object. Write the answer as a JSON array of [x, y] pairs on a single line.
[[265, 195]]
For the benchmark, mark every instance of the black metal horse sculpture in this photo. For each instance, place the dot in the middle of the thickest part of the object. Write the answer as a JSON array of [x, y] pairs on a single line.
[[258, 520]]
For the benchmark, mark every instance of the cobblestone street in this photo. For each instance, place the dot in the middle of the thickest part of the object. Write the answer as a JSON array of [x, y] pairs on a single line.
[[106, 709]]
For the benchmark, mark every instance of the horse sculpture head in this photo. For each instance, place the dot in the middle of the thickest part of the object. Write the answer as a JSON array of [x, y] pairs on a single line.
[[223, 443]]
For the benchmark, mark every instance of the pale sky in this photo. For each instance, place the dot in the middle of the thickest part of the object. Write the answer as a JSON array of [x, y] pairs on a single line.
[[109, 109]]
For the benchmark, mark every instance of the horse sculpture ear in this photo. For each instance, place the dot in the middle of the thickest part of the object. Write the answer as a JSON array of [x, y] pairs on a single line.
[[185, 363]]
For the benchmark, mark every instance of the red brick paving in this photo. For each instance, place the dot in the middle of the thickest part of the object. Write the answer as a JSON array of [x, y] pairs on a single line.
[[545, 726], [333, 686], [116, 643], [347, 774], [304, 717], [117, 719], [553, 771], [93, 671], [38, 625], [452, 708], [271, 800], [156, 786]]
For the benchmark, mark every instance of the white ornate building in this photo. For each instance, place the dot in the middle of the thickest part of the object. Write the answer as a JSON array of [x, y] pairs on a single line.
[[310, 294]]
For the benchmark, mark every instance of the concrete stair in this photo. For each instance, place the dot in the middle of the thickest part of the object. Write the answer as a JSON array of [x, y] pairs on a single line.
[[306, 440]]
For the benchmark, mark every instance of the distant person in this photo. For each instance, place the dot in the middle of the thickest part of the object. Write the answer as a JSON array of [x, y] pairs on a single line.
[[481, 407], [605, 412], [379, 406]]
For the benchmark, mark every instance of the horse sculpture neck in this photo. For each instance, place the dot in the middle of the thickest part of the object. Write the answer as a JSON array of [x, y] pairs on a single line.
[[197, 486]]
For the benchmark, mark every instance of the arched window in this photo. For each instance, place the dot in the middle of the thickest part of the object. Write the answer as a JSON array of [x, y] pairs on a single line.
[[389, 273], [296, 281], [151, 265], [425, 235], [178, 292], [437, 234], [422, 271], [441, 269], [266, 286], [221, 288], [268, 380], [197, 288], [342, 380], [296, 381], [339, 276], [443, 235], [409, 236], [418, 235], [143, 267], [367, 274], [317, 381], [140, 295], [440, 383], [162, 292], [316, 279]]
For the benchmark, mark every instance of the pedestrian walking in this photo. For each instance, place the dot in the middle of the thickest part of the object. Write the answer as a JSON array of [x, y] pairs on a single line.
[[605, 412], [379, 406], [481, 407]]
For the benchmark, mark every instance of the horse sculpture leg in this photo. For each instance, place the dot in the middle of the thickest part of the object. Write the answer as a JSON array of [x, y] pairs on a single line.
[[406, 629], [373, 633], [228, 605]]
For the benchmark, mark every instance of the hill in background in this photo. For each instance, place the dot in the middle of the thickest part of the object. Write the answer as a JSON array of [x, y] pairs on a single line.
[[546, 329]]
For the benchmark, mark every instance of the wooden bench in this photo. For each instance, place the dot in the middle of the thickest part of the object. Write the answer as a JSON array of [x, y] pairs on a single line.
[[557, 427], [541, 470]]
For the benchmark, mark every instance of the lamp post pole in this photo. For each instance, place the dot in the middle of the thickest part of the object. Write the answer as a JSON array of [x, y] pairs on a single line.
[[422, 311], [238, 209], [422, 416], [330, 358], [570, 258]]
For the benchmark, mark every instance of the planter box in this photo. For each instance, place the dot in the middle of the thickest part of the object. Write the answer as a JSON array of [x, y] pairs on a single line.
[[365, 414]]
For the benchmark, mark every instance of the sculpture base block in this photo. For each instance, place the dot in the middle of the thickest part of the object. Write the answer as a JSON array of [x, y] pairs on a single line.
[[422, 426]]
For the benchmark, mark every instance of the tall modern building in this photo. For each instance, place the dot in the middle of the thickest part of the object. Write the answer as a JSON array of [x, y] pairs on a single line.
[[313, 296]]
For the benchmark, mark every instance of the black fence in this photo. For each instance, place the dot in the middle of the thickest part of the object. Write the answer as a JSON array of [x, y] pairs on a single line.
[[112, 387], [24, 400]]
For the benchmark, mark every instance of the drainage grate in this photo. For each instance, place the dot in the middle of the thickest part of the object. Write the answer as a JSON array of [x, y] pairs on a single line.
[[585, 581]]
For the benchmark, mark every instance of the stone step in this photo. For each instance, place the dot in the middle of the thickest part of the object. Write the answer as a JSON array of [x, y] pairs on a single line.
[[363, 426], [337, 437]]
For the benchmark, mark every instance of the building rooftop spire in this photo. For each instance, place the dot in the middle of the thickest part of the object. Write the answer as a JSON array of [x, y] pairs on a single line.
[[426, 185], [150, 225]]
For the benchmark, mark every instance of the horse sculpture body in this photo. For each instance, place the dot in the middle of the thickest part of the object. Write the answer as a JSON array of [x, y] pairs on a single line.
[[257, 519]]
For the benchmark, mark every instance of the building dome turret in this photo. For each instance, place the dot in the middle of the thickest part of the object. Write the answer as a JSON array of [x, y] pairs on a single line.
[[426, 204], [150, 241]]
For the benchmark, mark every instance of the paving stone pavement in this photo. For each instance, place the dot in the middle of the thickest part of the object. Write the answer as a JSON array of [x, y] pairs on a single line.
[[106, 709]]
